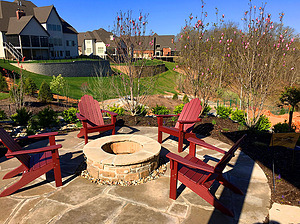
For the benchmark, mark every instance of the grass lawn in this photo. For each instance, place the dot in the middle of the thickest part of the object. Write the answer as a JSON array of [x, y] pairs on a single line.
[[4, 96], [165, 81]]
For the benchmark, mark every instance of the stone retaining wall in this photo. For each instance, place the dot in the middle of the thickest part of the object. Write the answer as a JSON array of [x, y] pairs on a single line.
[[147, 71], [70, 69]]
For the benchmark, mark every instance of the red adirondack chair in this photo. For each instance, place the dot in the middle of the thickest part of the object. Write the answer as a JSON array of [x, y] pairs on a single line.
[[185, 124], [199, 176], [34, 162], [91, 117]]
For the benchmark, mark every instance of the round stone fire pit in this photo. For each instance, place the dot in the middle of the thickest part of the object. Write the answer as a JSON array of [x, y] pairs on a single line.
[[122, 157]]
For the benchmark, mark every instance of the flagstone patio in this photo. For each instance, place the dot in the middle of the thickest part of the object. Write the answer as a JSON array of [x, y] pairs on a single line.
[[80, 201]]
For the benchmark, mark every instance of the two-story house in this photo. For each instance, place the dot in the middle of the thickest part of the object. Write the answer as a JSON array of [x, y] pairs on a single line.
[[35, 32], [97, 43]]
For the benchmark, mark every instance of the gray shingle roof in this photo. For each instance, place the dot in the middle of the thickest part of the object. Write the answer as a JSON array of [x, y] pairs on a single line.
[[8, 10], [42, 13], [16, 26], [100, 35]]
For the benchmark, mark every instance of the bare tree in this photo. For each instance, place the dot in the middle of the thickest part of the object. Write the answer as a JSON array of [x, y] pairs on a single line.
[[133, 50]]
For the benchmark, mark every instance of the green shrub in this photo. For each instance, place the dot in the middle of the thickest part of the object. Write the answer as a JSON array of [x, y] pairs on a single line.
[[239, 116], [223, 111], [117, 109], [175, 96], [30, 87], [159, 110], [282, 128], [141, 110], [282, 111], [47, 118], [185, 99], [2, 115], [69, 115], [45, 94], [263, 123], [178, 109], [206, 110], [22, 116], [3, 83]]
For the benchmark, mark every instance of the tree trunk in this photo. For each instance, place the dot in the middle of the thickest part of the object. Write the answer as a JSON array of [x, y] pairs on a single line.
[[291, 117]]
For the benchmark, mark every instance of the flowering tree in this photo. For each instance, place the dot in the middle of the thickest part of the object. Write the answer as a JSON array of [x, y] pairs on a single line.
[[202, 57], [132, 46], [258, 58]]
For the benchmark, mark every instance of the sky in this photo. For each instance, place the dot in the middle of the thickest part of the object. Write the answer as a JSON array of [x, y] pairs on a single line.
[[166, 17]]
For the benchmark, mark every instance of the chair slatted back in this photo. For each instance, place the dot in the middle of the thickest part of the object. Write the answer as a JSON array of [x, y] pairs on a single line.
[[228, 155], [90, 109], [190, 111], [13, 146]]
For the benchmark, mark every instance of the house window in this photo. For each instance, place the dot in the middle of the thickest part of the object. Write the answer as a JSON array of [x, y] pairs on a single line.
[[67, 43], [55, 41], [35, 41], [25, 41], [49, 26], [44, 41], [89, 50], [13, 39], [73, 43], [59, 42], [54, 27], [68, 54], [157, 46], [100, 50], [58, 27], [61, 53]]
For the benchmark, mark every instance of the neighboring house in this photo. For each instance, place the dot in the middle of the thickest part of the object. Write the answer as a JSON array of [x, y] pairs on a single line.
[[35, 32], [100, 42], [96, 43], [162, 46]]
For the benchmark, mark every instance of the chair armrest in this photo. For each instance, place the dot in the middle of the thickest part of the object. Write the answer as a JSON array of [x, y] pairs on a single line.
[[179, 159], [81, 117], [189, 122], [167, 115], [205, 145], [110, 112], [32, 151], [42, 135]]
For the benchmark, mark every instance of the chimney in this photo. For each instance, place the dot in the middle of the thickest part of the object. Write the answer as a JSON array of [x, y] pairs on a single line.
[[20, 13]]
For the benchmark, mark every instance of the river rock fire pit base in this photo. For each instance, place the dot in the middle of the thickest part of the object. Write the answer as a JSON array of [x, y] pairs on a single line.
[[122, 157]]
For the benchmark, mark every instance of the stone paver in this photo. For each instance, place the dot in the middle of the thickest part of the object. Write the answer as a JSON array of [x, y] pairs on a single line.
[[99, 210], [154, 193], [80, 201], [284, 214], [77, 192], [137, 214]]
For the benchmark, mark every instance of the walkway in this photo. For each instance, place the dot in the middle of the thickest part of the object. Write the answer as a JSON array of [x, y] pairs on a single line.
[[80, 201]]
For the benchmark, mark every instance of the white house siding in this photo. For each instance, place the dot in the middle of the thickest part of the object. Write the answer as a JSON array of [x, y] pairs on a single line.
[[2, 52], [56, 36], [88, 47], [100, 49], [71, 38]]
